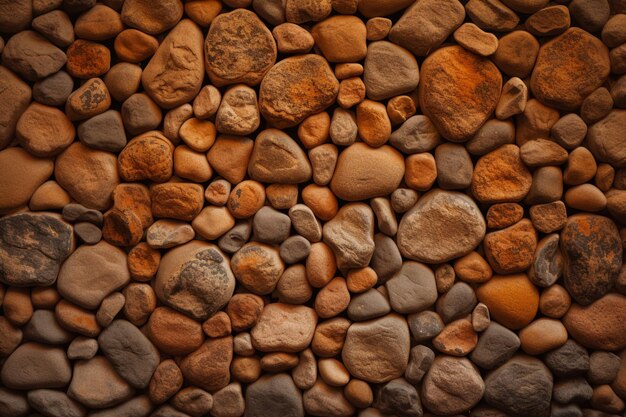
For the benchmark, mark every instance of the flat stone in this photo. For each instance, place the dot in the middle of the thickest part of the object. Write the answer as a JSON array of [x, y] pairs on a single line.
[[32, 248], [582, 64], [492, 15], [284, 328], [324, 400], [44, 131], [412, 289], [91, 273], [165, 234], [18, 94], [195, 279], [258, 267], [443, 225], [35, 366], [174, 333], [377, 350], [425, 325], [450, 79], [280, 98], [598, 325], [43, 328], [95, 384], [55, 403], [512, 299], [135, 407], [350, 234], [605, 140], [457, 302], [104, 132], [82, 348], [273, 394], [277, 158], [239, 48], [32, 56], [208, 367], [500, 176], [175, 73], [132, 355]]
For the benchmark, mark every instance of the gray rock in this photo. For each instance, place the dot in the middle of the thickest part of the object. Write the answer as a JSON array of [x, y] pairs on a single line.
[[95, 384], [132, 355], [399, 398], [368, 305], [521, 387], [305, 223], [136, 407], [495, 346], [420, 360], [603, 367], [34, 366], [343, 128], [32, 248], [12, 403], [236, 237], [417, 134], [104, 132], [32, 56], [228, 401], [55, 403], [88, 232], [166, 233], [55, 26], [569, 360], [412, 289], [350, 234], [109, 308], [53, 90], [547, 266], [140, 114], [389, 70], [573, 390], [386, 260], [44, 328], [82, 348], [459, 301], [294, 249], [274, 395], [75, 212], [454, 166], [270, 226], [493, 134], [425, 325]]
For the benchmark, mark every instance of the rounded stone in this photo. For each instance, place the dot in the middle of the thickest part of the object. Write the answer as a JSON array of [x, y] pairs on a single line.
[[258, 267], [34, 366], [542, 335], [147, 157], [33, 57], [389, 70], [152, 17], [44, 131], [512, 300], [273, 395], [443, 225], [605, 139], [599, 325], [341, 38], [276, 158], [96, 384], [195, 279], [174, 333], [284, 328]]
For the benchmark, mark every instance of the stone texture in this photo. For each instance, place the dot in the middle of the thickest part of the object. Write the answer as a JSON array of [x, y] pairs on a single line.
[[605, 141], [35, 366], [18, 94], [350, 235], [513, 300], [500, 176], [148, 156], [152, 17], [276, 158], [258, 267], [273, 394], [598, 325], [95, 384], [208, 366], [389, 70], [32, 56]]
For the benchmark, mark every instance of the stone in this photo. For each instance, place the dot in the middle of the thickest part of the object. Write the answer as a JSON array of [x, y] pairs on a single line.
[[493, 134], [86, 59], [450, 77], [294, 249], [43, 328], [166, 381], [516, 53], [276, 158], [412, 289], [15, 16], [258, 267], [507, 387], [590, 16], [54, 403], [90, 99], [492, 15], [475, 40], [369, 305], [473, 268], [511, 249], [425, 26], [603, 367], [452, 386], [587, 68], [548, 262], [341, 38], [542, 335], [569, 360], [305, 373], [18, 93], [581, 167], [400, 108], [332, 299], [513, 99], [44, 131], [208, 366], [35, 366], [377, 350], [176, 200], [165, 234], [324, 400], [103, 132], [454, 166], [53, 90], [592, 252], [238, 113], [457, 302], [228, 401], [399, 397], [95, 384], [284, 328], [343, 127], [131, 354], [174, 333], [302, 11], [501, 176], [239, 48], [98, 24], [359, 393], [605, 141], [421, 359], [373, 124], [31, 56], [194, 401], [598, 325], [350, 235], [417, 134], [281, 101], [495, 346], [11, 337], [148, 156], [293, 287], [152, 18], [88, 175], [32, 248], [292, 39], [80, 283], [82, 348], [135, 46], [554, 301], [373, 8], [123, 80], [273, 394], [195, 279], [321, 201], [443, 225], [512, 300], [378, 28], [191, 165]]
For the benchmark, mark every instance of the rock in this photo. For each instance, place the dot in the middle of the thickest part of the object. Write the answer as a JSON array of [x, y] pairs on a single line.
[[13, 403], [295, 249], [166, 381], [135, 46], [43, 328], [442, 225], [79, 320], [450, 78], [473, 268], [457, 338], [372, 120], [512, 299], [31, 56], [583, 67], [454, 166], [547, 265], [513, 99], [400, 398], [302, 11], [88, 175], [592, 250], [573, 390], [332, 299], [194, 401], [140, 114], [55, 403], [18, 94], [32, 248], [90, 99], [104, 132], [475, 40], [341, 38], [86, 59], [132, 355], [82, 348], [238, 113], [425, 26], [53, 90], [452, 386], [258, 267], [492, 15], [229, 156], [508, 387], [80, 283], [175, 73], [195, 279], [15, 163], [377, 350], [11, 338], [457, 302], [284, 328], [99, 23], [273, 394], [239, 48], [44, 131], [511, 249], [350, 235], [603, 367], [176, 200], [151, 17], [208, 366], [501, 176], [147, 157], [95, 384], [292, 39], [280, 98], [542, 335], [123, 80], [35, 366], [276, 158], [369, 305], [605, 141], [598, 325], [174, 333], [354, 177], [412, 289], [15, 16], [324, 400], [569, 360], [516, 53]]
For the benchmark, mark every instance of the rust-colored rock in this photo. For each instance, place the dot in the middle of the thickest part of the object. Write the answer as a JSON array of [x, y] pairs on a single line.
[[147, 157], [512, 300], [600, 325], [87, 59]]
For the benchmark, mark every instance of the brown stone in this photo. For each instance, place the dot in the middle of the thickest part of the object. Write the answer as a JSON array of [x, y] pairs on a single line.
[[600, 324], [174, 333], [292, 39], [147, 157], [258, 267], [549, 217], [276, 158], [542, 336], [143, 262], [457, 338], [177, 200], [77, 319], [341, 38], [500, 176], [165, 382], [135, 46], [244, 310], [284, 328], [332, 299], [87, 59], [511, 250], [152, 17], [20, 175], [516, 53], [44, 131], [208, 367], [512, 300], [246, 199]]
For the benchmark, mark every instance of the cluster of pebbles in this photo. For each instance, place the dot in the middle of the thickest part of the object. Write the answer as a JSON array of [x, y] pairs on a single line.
[[328, 208]]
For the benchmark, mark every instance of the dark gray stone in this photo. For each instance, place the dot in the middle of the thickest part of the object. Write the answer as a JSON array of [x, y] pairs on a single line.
[[420, 359], [425, 325], [571, 359], [417, 134], [295, 249], [53, 90], [398, 397], [495, 346], [104, 132], [386, 260], [573, 390], [368, 305], [459, 301], [274, 395]]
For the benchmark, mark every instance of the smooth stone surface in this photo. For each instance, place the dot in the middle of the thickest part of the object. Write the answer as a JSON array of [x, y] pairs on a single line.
[[95, 384], [21, 175], [275, 395], [412, 289], [389, 70], [605, 140], [598, 325], [34, 366], [277, 158]]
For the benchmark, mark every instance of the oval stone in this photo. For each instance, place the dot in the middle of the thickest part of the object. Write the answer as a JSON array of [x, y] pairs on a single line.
[[34, 366], [600, 325], [276, 158], [443, 225]]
